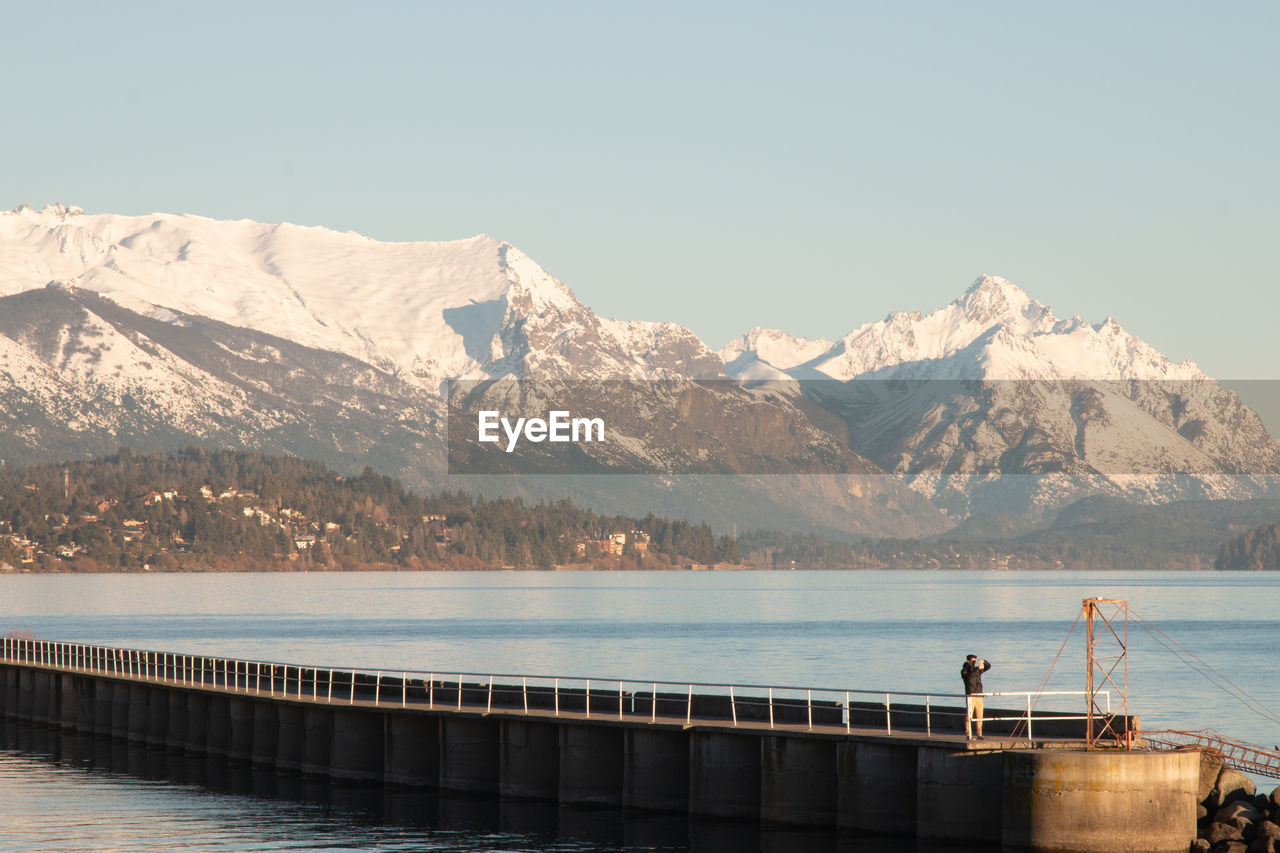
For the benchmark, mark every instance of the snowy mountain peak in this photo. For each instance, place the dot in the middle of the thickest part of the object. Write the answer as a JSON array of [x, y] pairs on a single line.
[[991, 299]]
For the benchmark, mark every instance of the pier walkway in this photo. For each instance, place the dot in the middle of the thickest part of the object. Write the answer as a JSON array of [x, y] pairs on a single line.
[[869, 761]]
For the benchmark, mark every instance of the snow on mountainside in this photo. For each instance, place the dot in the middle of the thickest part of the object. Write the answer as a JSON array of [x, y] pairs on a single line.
[[992, 331], [425, 311], [161, 331], [1079, 407]]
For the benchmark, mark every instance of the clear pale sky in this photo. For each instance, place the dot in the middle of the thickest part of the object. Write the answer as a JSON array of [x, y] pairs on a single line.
[[727, 165]]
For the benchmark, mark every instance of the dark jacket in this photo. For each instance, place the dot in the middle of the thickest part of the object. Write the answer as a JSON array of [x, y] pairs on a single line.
[[972, 676]]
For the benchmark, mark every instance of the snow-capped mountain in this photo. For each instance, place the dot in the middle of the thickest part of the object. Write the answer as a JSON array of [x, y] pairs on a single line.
[[165, 330], [423, 311], [994, 384], [162, 330]]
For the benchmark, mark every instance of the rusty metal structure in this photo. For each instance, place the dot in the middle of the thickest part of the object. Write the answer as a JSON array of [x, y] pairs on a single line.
[[1106, 622], [1248, 757]]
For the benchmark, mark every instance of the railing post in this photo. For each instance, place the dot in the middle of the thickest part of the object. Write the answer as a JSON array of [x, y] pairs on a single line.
[[733, 707], [588, 698], [431, 690], [653, 711], [557, 692], [488, 705], [330, 699], [352, 700], [928, 722], [770, 707], [848, 714], [888, 716], [524, 692], [688, 707], [619, 700], [404, 690], [1028, 716], [459, 691], [377, 687], [809, 705]]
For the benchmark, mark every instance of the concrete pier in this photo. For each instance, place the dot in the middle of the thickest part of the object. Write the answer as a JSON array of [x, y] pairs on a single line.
[[799, 766]]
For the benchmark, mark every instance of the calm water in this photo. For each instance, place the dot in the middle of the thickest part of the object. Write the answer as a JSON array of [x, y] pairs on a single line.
[[906, 631]]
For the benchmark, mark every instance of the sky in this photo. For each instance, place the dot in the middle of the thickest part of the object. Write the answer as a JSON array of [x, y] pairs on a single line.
[[809, 168]]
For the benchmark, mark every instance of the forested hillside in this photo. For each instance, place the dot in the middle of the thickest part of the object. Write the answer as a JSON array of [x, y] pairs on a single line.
[[235, 510]]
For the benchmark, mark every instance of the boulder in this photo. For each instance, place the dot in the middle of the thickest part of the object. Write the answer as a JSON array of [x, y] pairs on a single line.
[[1234, 785], [1268, 829], [1210, 767], [1275, 800], [1202, 814], [1217, 832], [1199, 846], [1237, 809], [1230, 847], [1264, 845]]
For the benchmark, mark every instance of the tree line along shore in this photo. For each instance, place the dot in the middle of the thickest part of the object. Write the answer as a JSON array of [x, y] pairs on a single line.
[[202, 510]]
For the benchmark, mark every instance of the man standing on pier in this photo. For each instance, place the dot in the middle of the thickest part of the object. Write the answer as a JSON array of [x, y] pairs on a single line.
[[971, 674]]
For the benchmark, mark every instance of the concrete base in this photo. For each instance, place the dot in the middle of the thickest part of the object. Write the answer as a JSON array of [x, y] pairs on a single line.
[[591, 764], [317, 728], [470, 753], [356, 751], [958, 795], [289, 735], [724, 775], [656, 770], [1100, 802], [798, 781], [530, 760], [411, 751], [876, 784]]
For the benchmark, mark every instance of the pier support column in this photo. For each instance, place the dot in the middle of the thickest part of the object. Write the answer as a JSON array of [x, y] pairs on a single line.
[[530, 760], [470, 754], [317, 732], [798, 780], [591, 764], [1060, 801], [26, 694], [724, 775], [41, 698], [85, 688], [218, 724], [103, 703], [241, 730], [266, 730], [120, 700], [411, 755], [139, 712], [656, 770], [877, 787], [358, 745], [175, 733], [197, 722], [289, 735], [157, 715], [12, 688], [68, 701], [959, 794]]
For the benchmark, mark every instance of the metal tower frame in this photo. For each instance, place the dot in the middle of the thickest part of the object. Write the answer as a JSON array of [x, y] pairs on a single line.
[[1106, 658]]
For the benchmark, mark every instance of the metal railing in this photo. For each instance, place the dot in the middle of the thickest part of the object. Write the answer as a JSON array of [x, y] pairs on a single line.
[[1242, 755], [634, 700]]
